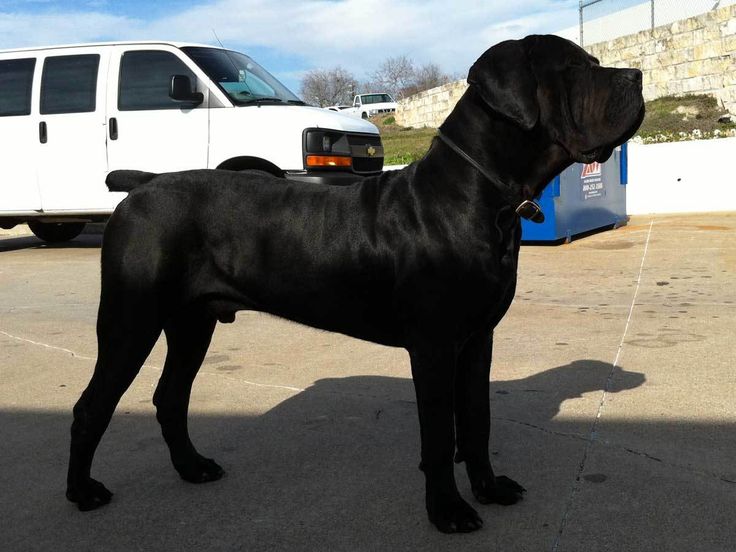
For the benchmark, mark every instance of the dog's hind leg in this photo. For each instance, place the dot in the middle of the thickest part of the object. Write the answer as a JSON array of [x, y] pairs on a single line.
[[433, 369], [473, 422], [126, 333], [188, 336]]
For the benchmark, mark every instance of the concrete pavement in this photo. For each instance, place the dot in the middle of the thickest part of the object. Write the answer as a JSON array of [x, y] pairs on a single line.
[[613, 404]]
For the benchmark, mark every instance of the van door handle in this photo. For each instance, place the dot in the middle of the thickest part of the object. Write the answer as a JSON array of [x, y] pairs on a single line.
[[113, 128], [43, 135]]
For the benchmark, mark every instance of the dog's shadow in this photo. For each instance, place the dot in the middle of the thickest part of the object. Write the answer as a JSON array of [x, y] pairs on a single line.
[[333, 467], [347, 449], [538, 397], [357, 438], [338, 422]]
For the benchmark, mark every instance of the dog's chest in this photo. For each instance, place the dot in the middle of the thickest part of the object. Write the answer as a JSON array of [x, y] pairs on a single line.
[[499, 276], [503, 238], [511, 239], [470, 286]]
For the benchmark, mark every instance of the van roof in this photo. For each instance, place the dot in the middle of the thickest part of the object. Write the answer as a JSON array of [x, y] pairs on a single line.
[[118, 43]]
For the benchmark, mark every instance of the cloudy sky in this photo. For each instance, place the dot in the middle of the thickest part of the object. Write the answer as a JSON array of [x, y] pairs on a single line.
[[290, 37]]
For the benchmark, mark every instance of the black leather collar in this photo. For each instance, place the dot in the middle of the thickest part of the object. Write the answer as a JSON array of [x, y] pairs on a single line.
[[527, 209]]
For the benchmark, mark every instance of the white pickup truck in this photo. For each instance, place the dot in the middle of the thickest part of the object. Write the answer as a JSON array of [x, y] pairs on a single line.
[[368, 105]]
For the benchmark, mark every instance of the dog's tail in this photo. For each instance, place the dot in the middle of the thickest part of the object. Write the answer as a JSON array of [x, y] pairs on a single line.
[[125, 181]]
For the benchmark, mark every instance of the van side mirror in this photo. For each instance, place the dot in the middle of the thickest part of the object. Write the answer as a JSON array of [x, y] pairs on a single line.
[[180, 90]]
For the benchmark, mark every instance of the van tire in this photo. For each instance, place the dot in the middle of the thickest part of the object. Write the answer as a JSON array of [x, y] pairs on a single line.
[[55, 232]]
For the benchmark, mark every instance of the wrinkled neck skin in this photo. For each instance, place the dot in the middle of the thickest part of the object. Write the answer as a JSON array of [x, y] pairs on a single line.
[[525, 161]]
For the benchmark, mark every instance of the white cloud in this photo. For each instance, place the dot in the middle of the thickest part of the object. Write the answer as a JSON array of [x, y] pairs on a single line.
[[359, 34], [18, 30], [356, 34]]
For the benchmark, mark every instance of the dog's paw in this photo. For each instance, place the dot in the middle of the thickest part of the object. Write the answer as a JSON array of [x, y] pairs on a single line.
[[89, 495], [200, 470], [498, 490], [455, 516]]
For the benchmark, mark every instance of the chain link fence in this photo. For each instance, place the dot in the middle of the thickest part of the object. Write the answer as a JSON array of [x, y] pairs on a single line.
[[602, 20]]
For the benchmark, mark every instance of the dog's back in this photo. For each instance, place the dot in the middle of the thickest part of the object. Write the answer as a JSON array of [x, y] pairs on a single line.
[[125, 181]]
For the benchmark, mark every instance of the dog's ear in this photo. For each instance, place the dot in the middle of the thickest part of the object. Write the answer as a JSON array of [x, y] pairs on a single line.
[[503, 76]]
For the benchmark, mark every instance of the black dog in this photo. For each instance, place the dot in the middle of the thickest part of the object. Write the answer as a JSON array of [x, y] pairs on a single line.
[[424, 258]]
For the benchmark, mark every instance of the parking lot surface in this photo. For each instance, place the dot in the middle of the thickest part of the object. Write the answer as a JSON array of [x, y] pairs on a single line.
[[612, 391]]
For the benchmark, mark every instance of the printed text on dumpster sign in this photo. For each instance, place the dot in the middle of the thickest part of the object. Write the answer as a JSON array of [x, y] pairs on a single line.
[[592, 181]]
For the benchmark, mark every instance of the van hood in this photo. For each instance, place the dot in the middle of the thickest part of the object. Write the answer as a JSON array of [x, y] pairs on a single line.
[[273, 132], [316, 117]]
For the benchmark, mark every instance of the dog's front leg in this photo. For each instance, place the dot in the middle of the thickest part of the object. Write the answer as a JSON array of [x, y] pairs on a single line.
[[433, 370], [473, 420]]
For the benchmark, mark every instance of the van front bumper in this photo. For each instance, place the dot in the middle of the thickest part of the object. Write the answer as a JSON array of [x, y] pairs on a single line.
[[332, 178]]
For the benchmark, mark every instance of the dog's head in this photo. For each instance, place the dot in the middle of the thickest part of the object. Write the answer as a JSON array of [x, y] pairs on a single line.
[[549, 81]]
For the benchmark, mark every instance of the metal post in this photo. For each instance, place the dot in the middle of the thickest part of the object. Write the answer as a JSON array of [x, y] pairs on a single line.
[[580, 10], [582, 5], [651, 3]]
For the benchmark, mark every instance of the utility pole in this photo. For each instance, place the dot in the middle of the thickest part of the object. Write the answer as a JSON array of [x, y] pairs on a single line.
[[580, 11], [651, 3]]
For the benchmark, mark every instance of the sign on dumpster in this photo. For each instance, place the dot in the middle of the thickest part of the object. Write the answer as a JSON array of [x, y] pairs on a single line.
[[584, 197], [591, 178]]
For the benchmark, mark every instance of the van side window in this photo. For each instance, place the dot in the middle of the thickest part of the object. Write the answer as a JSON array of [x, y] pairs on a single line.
[[16, 79], [145, 79], [69, 84]]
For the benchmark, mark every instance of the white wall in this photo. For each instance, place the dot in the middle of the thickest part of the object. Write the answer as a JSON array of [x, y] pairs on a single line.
[[682, 177], [679, 177]]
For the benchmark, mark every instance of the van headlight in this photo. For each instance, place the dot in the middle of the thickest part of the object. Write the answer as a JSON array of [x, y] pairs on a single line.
[[326, 149]]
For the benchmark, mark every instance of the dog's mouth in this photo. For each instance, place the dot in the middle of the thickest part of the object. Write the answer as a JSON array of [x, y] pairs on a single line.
[[602, 153], [595, 154]]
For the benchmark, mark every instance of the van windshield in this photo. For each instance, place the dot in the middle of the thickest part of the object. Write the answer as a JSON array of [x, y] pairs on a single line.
[[241, 78]]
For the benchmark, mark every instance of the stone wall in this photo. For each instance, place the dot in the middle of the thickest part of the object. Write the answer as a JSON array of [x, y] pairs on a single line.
[[691, 56], [429, 108]]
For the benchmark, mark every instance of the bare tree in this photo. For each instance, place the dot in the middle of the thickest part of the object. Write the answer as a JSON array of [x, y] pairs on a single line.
[[325, 87], [426, 77], [396, 75], [400, 77], [393, 76]]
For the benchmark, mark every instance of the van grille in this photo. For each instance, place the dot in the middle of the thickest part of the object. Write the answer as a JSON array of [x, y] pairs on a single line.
[[366, 165], [367, 153], [363, 139]]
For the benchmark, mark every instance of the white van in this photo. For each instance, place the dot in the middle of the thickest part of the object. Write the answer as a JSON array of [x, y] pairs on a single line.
[[71, 114]]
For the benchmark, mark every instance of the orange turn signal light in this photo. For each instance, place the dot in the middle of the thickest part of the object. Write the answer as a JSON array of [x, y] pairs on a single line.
[[328, 161]]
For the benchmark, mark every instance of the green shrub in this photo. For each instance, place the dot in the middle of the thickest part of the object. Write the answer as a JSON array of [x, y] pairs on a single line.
[[675, 118]]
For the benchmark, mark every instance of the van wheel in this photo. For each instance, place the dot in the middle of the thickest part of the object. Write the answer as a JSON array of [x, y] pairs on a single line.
[[364, 115], [56, 231]]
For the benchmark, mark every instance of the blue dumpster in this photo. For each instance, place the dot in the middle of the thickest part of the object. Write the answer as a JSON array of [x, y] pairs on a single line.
[[582, 198]]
